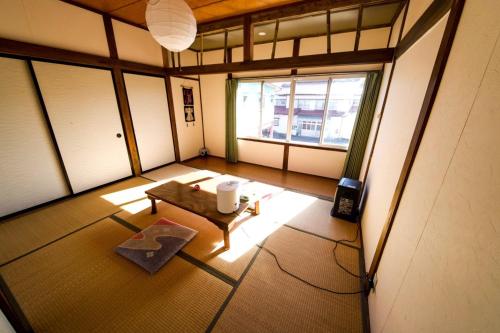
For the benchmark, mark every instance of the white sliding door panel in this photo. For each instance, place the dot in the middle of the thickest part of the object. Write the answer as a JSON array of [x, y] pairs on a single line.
[[147, 98], [29, 168], [83, 111]]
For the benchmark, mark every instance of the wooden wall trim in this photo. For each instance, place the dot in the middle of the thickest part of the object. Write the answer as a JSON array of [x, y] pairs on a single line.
[[294, 9], [385, 97], [49, 126], [286, 152], [25, 50], [341, 58], [429, 18], [291, 144], [122, 99], [171, 111], [247, 39], [418, 133], [12, 310], [114, 17]]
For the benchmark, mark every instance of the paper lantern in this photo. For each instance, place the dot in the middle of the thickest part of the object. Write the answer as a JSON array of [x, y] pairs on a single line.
[[172, 23]]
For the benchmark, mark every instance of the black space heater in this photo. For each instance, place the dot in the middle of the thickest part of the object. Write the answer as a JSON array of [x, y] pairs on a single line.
[[347, 199]]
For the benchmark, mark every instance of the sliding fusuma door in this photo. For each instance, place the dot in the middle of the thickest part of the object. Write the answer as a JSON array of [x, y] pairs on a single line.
[[83, 111], [147, 98], [30, 171]]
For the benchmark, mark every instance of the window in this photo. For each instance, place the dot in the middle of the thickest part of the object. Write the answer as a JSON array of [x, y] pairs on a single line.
[[324, 109]]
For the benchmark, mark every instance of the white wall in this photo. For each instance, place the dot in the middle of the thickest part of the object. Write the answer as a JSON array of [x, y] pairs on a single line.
[[374, 38], [416, 9], [376, 119], [53, 23], [266, 154], [188, 58], [326, 163], [136, 44], [213, 95], [190, 135], [439, 271], [409, 84]]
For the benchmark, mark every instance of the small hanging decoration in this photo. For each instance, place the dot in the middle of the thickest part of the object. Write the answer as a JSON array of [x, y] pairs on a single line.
[[171, 23], [187, 93]]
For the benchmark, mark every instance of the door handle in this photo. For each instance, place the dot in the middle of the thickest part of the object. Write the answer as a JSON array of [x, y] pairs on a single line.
[[118, 135]]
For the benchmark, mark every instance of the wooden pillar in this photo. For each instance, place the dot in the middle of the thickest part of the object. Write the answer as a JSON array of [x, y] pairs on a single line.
[[247, 39], [121, 96]]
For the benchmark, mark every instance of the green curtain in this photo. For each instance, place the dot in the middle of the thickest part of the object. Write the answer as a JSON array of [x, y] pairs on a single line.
[[357, 147], [231, 140]]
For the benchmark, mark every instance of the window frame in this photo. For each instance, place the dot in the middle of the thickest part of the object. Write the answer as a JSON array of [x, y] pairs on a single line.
[[293, 79]]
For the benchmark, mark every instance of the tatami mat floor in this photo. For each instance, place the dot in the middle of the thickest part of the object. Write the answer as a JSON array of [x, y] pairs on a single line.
[[66, 277]]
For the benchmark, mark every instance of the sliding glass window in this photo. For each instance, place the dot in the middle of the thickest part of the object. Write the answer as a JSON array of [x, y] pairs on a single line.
[[324, 109]]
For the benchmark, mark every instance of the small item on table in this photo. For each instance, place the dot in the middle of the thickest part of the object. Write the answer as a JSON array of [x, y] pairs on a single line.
[[196, 187]]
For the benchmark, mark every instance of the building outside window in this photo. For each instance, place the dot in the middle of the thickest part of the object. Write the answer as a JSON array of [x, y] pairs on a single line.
[[324, 109]]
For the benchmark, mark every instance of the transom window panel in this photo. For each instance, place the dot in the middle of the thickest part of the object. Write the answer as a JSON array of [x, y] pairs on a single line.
[[324, 109]]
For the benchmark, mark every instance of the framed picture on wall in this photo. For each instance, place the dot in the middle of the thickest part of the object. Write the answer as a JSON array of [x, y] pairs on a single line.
[[189, 114], [187, 93]]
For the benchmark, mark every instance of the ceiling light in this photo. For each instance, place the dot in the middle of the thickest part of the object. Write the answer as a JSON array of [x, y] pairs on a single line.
[[171, 23], [262, 33]]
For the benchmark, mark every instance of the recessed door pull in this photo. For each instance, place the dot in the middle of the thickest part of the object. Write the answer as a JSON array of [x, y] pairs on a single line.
[[118, 135]]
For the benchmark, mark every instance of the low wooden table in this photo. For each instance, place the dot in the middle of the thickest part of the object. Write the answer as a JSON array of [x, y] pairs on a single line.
[[198, 202]]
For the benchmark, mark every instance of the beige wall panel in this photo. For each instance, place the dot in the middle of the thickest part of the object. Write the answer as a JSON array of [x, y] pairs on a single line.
[[213, 94], [213, 57], [190, 135], [376, 118], [147, 98], [396, 29], [374, 38], [396, 274], [408, 87], [317, 162], [136, 44], [188, 58], [53, 23], [266, 154], [262, 51], [237, 54], [276, 72], [313, 45], [30, 171], [284, 49], [340, 69], [82, 107], [343, 42], [416, 9], [461, 232]]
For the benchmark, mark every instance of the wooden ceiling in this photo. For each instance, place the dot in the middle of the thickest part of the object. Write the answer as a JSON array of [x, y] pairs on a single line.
[[204, 10]]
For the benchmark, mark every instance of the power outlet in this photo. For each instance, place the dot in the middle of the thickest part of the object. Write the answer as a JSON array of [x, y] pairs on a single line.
[[374, 282]]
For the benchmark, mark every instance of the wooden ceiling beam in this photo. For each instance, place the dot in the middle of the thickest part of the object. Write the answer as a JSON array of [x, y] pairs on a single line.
[[33, 51], [340, 58], [288, 10]]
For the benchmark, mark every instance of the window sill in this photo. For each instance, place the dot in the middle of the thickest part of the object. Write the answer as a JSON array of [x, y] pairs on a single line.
[[293, 144]]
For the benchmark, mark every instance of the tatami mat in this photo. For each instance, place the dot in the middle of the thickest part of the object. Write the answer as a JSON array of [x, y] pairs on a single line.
[[268, 300], [181, 173], [315, 218], [78, 284], [29, 231], [207, 246]]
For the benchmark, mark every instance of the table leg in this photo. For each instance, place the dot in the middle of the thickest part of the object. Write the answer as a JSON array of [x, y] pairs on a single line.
[[256, 211], [153, 205], [226, 239]]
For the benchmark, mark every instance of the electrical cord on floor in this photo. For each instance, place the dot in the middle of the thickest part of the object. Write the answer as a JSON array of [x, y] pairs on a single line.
[[336, 292]]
